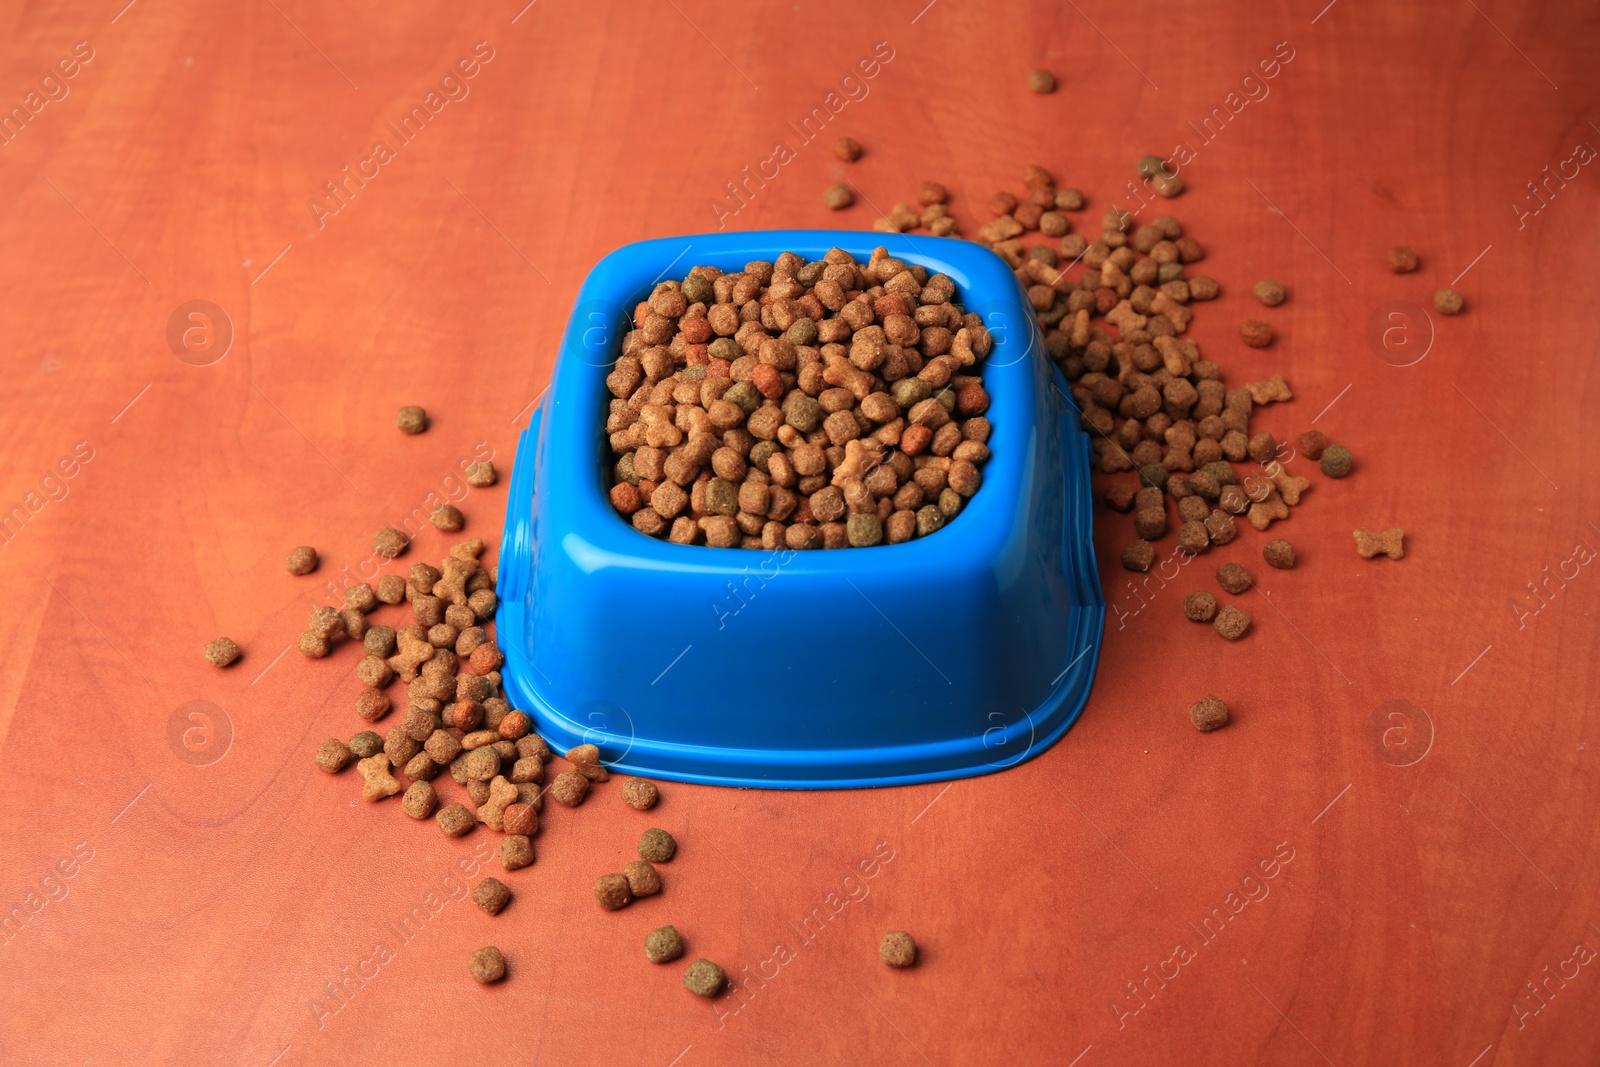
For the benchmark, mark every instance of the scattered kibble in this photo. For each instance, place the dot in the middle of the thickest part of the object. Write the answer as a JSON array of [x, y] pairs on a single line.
[[420, 798], [1200, 606], [447, 517], [377, 781], [516, 851], [1389, 543], [1255, 333], [390, 543], [643, 879], [1208, 714], [640, 794], [1448, 302], [703, 978], [332, 755], [1269, 292], [365, 744], [569, 788], [302, 560], [838, 196], [411, 419], [897, 949], [487, 965], [1336, 461], [1231, 623], [491, 895], [657, 846], [1138, 555], [1234, 578], [1278, 553], [847, 149], [1041, 81], [1312, 444], [221, 652], [1402, 259], [663, 945], [481, 474], [455, 819], [611, 891]]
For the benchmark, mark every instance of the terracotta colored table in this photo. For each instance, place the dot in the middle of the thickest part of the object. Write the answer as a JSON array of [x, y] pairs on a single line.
[[1331, 879]]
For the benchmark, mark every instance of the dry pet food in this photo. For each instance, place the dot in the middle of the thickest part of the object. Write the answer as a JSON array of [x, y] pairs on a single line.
[[703, 978], [516, 851], [1448, 302], [1402, 259], [447, 517], [1138, 555], [221, 652], [1278, 553], [302, 560], [657, 846], [491, 895], [838, 196], [611, 891], [1208, 714], [1389, 543], [643, 879], [569, 788], [480, 474], [1200, 606], [411, 419], [663, 945], [419, 800], [487, 965], [1041, 81], [640, 794], [847, 149], [377, 781], [365, 744], [455, 819], [389, 542], [1269, 292], [1255, 333], [332, 755], [799, 405], [1232, 623], [1234, 578], [897, 949], [1335, 461]]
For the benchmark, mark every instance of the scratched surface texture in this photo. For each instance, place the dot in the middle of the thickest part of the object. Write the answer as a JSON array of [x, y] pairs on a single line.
[[1390, 854]]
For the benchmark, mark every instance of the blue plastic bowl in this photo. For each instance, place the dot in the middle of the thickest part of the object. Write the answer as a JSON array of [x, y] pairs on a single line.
[[957, 654]]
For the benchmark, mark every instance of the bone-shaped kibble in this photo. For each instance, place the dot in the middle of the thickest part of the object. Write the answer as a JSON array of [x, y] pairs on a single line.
[[1289, 487], [1124, 318], [492, 812], [1175, 312], [1172, 356], [1389, 542], [1274, 388], [378, 782], [1273, 507]]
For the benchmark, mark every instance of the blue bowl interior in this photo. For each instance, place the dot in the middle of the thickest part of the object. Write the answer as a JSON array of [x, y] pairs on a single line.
[[950, 655]]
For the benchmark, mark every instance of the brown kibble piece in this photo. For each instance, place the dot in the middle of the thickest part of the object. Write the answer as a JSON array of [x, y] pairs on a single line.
[[897, 949], [838, 197], [1278, 553], [1200, 606], [302, 560], [419, 800], [847, 149], [411, 419], [1138, 555], [1402, 259], [455, 819], [569, 788], [1448, 302], [332, 755], [1255, 333], [390, 542], [1234, 578], [640, 794], [520, 819], [491, 895], [1336, 461], [1312, 444], [391, 589], [663, 945], [1208, 713], [1390, 543], [481, 474], [447, 517], [487, 965], [516, 852], [1269, 292], [643, 879], [1041, 81], [704, 978], [611, 892], [221, 652], [1273, 389], [657, 846], [1231, 623], [377, 781]]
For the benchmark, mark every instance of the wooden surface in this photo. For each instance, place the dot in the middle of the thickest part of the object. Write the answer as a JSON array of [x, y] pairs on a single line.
[[1410, 908]]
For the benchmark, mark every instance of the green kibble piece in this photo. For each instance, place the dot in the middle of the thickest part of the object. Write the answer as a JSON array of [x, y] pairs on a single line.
[[929, 520], [1336, 461], [864, 530]]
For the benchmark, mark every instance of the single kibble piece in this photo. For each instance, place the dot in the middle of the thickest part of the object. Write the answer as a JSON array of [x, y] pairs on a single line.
[[302, 560], [411, 419], [1208, 713], [643, 879], [1269, 292], [447, 517], [481, 474], [333, 755], [704, 978], [389, 542], [487, 965], [1448, 301], [838, 196], [1234, 578], [1402, 259], [611, 891], [420, 800], [391, 589], [657, 846], [1390, 543], [520, 819], [1231, 623], [1200, 606], [1336, 461], [516, 851], [847, 149], [569, 788], [1041, 81], [377, 781], [897, 949], [491, 895], [663, 945], [1255, 333], [365, 744], [1312, 444], [640, 794], [1138, 555], [455, 819], [221, 652], [1278, 553]]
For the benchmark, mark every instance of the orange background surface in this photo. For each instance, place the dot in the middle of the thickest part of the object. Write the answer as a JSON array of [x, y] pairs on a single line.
[[1441, 862]]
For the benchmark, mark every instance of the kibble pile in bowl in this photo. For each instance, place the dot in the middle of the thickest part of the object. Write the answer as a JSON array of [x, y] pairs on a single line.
[[828, 404]]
